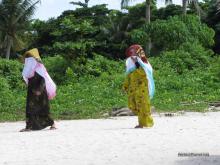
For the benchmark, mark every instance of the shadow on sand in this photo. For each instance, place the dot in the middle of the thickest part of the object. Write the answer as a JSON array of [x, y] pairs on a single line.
[[209, 160]]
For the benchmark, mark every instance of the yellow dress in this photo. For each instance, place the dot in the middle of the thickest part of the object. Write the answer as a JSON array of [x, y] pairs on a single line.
[[136, 86]]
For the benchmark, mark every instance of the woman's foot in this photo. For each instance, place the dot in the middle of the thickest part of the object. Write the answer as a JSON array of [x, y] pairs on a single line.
[[53, 127], [25, 130], [138, 126]]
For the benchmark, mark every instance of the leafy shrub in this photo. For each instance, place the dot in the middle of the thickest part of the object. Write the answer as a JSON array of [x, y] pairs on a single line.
[[195, 87], [5, 93], [100, 64], [56, 67], [95, 66], [73, 50], [11, 102], [89, 97], [188, 57], [11, 70], [171, 33], [97, 88]]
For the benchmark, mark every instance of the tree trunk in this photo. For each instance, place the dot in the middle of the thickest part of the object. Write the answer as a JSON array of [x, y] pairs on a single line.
[[148, 16], [198, 10], [184, 6], [8, 48]]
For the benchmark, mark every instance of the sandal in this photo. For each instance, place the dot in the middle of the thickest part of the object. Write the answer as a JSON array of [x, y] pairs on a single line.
[[25, 130], [138, 126], [53, 127]]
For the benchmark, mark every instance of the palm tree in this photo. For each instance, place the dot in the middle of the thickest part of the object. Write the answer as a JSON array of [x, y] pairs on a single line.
[[14, 16], [117, 27], [184, 3], [195, 4], [125, 3]]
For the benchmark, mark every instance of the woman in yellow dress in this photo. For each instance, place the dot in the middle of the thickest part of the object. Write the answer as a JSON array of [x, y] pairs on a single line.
[[139, 85]]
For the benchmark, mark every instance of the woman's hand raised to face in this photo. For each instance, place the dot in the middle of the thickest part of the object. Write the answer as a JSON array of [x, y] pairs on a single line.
[[134, 59]]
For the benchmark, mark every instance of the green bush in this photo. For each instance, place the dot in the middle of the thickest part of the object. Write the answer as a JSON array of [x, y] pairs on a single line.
[[171, 33], [188, 57], [56, 67], [11, 70], [90, 97], [200, 86], [99, 65], [11, 102], [97, 88], [5, 93]]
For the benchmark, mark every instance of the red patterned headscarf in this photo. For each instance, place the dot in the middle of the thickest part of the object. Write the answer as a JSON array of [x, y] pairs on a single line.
[[136, 50]]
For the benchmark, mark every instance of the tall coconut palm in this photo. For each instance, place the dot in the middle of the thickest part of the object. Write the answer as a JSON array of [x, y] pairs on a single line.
[[195, 3], [184, 4], [125, 3], [14, 16]]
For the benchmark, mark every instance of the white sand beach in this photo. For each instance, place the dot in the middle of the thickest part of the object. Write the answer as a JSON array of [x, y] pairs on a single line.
[[114, 141]]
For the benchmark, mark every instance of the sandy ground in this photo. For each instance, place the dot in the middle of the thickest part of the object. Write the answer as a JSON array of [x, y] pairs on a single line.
[[115, 142]]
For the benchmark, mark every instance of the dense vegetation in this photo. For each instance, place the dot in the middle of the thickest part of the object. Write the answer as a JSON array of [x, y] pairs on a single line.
[[83, 51]]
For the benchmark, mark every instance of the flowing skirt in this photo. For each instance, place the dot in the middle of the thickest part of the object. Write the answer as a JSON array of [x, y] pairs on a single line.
[[136, 86], [37, 105]]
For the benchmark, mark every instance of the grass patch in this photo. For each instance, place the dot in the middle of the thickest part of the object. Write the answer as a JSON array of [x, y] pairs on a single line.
[[99, 90]]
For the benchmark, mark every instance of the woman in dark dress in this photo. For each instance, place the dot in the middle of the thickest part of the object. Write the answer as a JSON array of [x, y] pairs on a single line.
[[40, 89]]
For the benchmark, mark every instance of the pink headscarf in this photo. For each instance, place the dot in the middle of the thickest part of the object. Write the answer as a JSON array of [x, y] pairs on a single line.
[[30, 67]]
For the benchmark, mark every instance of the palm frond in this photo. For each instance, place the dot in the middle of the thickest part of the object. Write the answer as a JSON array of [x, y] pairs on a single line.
[[18, 43], [27, 11], [14, 18]]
